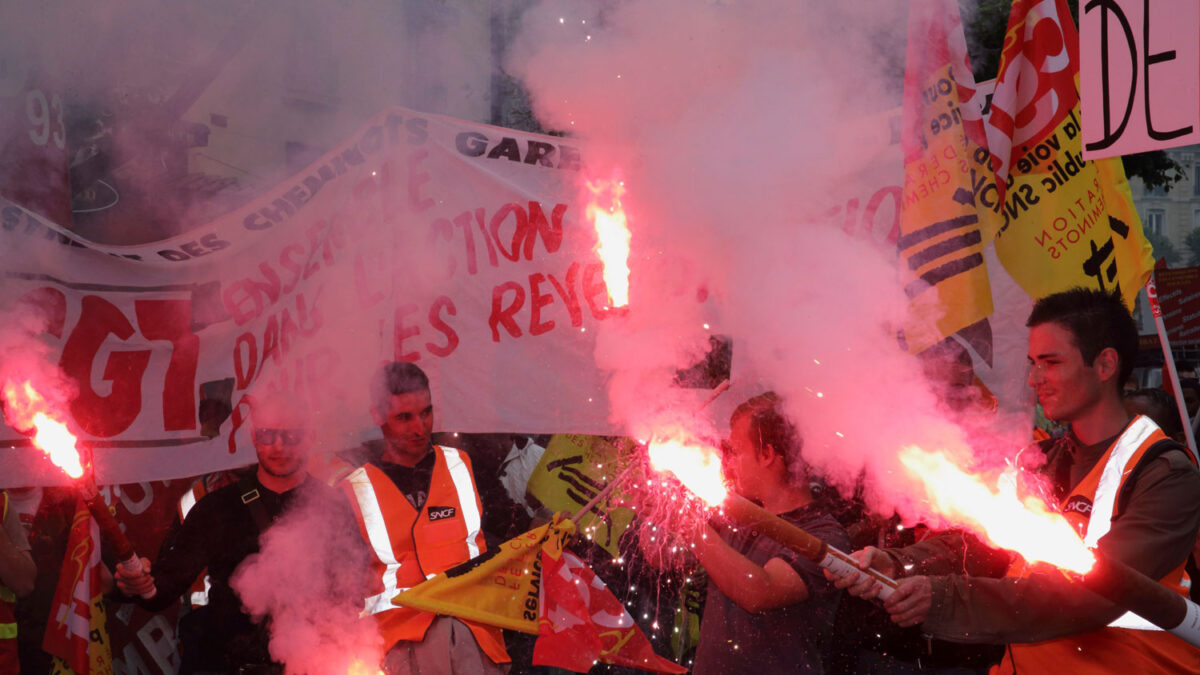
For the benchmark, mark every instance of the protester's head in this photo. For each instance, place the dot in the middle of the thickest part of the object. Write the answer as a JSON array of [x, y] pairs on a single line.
[[282, 433], [1082, 344], [764, 447], [403, 408], [1159, 406]]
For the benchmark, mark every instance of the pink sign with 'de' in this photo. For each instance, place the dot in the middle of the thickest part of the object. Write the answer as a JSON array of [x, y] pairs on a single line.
[[1139, 75]]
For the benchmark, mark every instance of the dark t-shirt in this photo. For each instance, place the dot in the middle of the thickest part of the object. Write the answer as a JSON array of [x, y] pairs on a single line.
[[412, 481], [790, 639], [218, 534]]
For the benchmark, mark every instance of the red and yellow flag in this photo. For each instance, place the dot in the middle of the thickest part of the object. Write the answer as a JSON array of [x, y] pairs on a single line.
[[941, 240], [1060, 221], [76, 634]]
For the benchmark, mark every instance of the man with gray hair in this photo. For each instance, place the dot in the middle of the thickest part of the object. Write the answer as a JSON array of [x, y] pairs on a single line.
[[419, 510]]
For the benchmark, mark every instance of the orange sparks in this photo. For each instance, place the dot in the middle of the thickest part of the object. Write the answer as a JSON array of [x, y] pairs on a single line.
[[1026, 526], [612, 237], [697, 466], [25, 408]]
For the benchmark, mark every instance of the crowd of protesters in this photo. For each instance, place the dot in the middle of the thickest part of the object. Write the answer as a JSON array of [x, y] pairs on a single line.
[[422, 507]]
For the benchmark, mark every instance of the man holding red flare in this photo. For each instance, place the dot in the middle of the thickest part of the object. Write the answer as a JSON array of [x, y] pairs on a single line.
[[1126, 488]]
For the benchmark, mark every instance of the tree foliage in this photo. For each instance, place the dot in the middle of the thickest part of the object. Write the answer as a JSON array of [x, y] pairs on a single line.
[[1163, 248], [1192, 241]]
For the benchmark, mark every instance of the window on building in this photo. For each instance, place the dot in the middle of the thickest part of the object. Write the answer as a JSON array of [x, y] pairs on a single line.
[[1196, 180], [1155, 220], [1195, 218]]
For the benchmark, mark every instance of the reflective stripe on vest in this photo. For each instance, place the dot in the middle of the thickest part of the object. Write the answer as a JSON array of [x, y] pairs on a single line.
[[377, 537], [380, 541], [200, 598], [466, 497], [1105, 499]]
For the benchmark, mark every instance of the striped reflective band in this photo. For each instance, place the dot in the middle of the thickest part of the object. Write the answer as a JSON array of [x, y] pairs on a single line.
[[1105, 499], [200, 598], [186, 502], [466, 497], [8, 631], [377, 537]]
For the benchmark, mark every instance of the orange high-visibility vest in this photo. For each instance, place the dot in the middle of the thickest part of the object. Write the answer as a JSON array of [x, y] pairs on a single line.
[[409, 546], [1129, 644], [8, 620]]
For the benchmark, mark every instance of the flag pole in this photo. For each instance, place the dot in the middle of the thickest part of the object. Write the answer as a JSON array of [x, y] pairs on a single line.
[[1169, 358]]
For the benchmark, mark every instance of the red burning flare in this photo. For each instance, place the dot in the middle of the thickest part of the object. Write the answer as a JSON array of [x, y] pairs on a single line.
[[1026, 526], [697, 466], [25, 408], [612, 235]]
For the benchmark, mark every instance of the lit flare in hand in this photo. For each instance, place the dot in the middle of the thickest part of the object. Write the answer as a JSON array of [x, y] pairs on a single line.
[[1026, 526], [612, 237], [697, 466], [25, 408]]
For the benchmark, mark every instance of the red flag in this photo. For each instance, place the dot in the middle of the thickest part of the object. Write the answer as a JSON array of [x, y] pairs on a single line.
[[582, 622], [76, 631], [1035, 88]]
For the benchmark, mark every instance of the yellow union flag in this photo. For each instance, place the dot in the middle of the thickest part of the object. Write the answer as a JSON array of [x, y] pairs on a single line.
[[1067, 222], [573, 470], [499, 588]]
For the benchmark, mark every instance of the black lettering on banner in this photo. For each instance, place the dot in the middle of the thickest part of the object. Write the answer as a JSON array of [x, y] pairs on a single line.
[[1109, 51]]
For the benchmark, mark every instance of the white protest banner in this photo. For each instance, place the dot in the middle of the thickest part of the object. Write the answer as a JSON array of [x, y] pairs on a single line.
[[1139, 75], [455, 245]]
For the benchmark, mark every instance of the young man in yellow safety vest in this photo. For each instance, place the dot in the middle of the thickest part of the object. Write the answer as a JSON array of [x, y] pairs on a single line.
[[419, 510], [1128, 490]]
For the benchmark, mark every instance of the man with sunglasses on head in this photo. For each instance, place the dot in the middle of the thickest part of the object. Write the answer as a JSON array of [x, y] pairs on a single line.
[[222, 530]]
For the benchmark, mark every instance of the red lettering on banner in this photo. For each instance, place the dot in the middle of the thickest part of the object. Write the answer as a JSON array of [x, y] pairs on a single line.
[[504, 315], [96, 414], [526, 232], [246, 299], [595, 293], [171, 320], [403, 332], [287, 263], [277, 339], [271, 340], [244, 368], [569, 296], [435, 319], [528, 226], [551, 232], [538, 300], [522, 224]]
